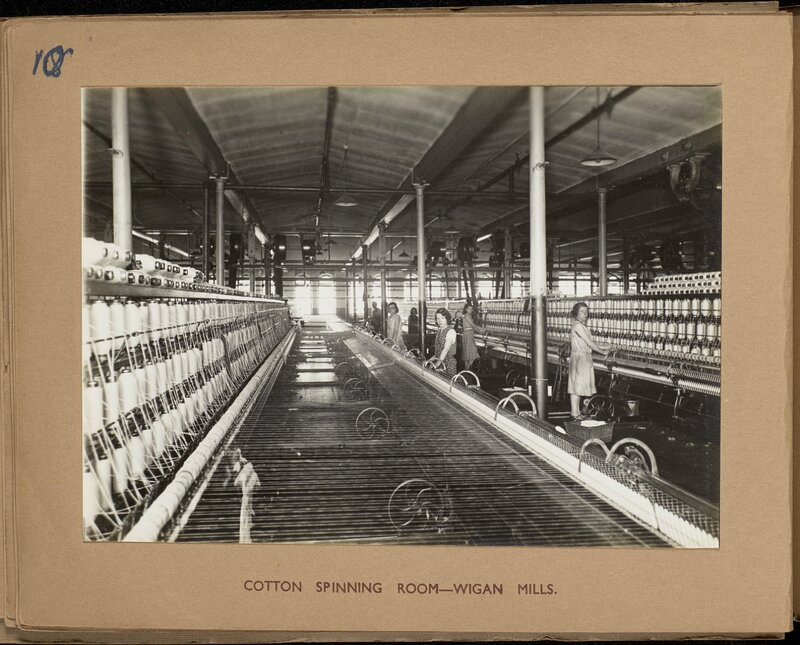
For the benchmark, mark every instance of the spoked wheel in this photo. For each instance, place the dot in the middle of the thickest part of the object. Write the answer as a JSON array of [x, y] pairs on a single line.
[[344, 370], [513, 378], [371, 422], [599, 407], [355, 389], [418, 505], [638, 458]]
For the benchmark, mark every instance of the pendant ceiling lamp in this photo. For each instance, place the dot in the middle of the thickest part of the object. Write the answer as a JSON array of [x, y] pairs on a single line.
[[598, 157], [404, 254], [345, 200]]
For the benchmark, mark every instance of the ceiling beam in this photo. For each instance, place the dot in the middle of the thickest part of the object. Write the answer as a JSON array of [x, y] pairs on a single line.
[[139, 166], [177, 107], [632, 171], [484, 106], [606, 106], [649, 163]]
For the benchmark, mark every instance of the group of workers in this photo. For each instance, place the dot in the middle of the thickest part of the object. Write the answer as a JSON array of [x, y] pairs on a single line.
[[581, 382], [446, 340]]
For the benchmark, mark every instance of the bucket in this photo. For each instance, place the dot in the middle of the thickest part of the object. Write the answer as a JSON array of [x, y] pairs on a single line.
[[629, 408]]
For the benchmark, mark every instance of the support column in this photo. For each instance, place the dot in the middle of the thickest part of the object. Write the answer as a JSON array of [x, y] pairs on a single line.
[[365, 279], [602, 254], [508, 257], [538, 251], [355, 292], [267, 268], [382, 251], [346, 294], [626, 258], [220, 261], [121, 169], [420, 188], [206, 231]]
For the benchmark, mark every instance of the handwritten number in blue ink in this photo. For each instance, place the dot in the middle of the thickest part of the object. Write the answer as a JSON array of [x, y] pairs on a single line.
[[39, 55], [52, 61]]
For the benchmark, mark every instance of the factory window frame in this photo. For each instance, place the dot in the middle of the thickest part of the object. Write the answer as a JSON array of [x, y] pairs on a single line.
[[326, 297]]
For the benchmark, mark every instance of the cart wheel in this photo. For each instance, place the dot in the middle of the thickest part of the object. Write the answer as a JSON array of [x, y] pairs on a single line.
[[599, 407], [417, 505], [355, 389], [372, 421]]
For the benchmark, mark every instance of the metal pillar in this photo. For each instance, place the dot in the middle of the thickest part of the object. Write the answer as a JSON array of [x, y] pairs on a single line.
[[508, 260], [121, 169], [382, 252], [220, 248], [206, 230], [365, 280], [538, 251], [421, 264], [267, 269], [602, 254], [626, 259], [355, 290], [346, 294]]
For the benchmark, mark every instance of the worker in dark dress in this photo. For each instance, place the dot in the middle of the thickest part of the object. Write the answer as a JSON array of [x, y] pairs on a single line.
[[413, 328], [376, 318], [445, 343]]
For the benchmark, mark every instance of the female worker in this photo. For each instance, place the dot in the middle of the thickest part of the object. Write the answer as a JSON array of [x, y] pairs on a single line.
[[394, 326], [581, 366], [469, 351], [445, 345], [413, 327]]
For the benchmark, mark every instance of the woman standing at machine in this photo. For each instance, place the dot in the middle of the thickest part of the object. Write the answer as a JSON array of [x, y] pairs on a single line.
[[394, 326], [445, 345], [469, 351], [413, 328], [581, 366]]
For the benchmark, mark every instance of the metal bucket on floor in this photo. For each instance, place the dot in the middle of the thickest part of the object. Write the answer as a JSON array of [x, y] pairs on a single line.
[[629, 408]]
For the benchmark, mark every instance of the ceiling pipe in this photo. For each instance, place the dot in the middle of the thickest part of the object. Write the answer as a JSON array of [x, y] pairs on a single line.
[[605, 106], [324, 176], [310, 189]]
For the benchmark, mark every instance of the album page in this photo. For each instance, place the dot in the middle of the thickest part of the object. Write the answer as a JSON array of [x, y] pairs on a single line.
[[432, 512]]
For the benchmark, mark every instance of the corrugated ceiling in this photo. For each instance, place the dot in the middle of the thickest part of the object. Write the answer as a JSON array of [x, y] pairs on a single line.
[[276, 137]]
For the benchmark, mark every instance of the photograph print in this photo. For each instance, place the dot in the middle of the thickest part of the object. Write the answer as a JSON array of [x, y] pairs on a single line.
[[417, 315]]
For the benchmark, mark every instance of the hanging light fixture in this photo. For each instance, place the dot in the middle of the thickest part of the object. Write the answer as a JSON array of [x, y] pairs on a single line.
[[403, 254], [345, 199], [598, 157]]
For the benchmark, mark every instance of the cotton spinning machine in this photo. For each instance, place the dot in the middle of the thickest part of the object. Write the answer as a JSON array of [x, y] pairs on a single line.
[[355, 441]]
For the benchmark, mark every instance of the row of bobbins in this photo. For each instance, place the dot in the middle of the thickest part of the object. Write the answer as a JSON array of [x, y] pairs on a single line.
[[110, 263], [147, 391]]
